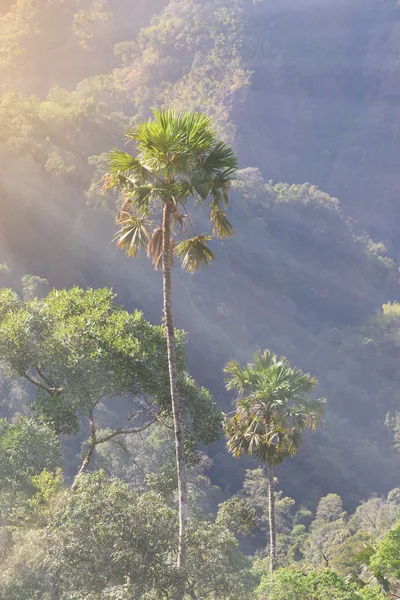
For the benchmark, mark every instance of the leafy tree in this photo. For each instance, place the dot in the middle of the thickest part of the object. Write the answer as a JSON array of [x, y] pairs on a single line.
[[216, 568], [106, 539], [80, 351], [294, 584], [272, 410], [298, 540], [238, 516], [328, 530], [347, 543], [384, 561], [27, 448], [99, 536], [393, 423], [376, 516], [178, 157]]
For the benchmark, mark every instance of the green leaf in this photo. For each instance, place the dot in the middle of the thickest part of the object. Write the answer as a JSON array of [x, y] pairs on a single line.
[[222, 226], [194, 253], [133, 235]]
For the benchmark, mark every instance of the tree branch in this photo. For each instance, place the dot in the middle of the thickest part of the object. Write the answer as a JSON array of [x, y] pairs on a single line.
[[49, 390], [41, 374], [122, 431], [163, 423]]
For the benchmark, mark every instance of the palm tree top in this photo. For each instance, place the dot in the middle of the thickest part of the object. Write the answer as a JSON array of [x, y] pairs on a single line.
[[268, 376], [179, 153], [177, 156], [173, 140], [273, 407]]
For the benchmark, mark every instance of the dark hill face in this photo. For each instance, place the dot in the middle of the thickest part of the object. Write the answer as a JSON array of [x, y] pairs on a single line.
[[323, 104], [308, 91]]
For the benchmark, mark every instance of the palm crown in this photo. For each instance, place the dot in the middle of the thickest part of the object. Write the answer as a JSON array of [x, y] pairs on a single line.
[[272, 408], [177, 157]]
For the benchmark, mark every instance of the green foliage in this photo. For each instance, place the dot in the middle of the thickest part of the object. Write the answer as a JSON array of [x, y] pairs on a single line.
[[47, 486], [385, 562], [377, 515], [272, 408], [27, 448], [178, 157], [131, 534], [28, 451], [80, 350], [76, 75], [77, 348], [313, 585], [107, 540], [122, 512], [238, 516], [328, 530], [295, 87], [217, 569]]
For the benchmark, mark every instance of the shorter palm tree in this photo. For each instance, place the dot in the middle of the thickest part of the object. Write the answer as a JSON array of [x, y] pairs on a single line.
[[273, 409]]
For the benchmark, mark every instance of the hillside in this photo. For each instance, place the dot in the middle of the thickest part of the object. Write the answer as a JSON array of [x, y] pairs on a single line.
[[306, 91]]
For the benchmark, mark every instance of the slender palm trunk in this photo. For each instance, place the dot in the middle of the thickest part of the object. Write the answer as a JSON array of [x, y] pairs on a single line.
[[272, 525], [174, 387], [92, 444]]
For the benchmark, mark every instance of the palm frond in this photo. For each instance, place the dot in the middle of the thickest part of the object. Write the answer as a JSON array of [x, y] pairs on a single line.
[[264, 360], [124, 210], [220, 188], [155, 247], [238, 378], [316, 408], [201, 182], [163, 139], [142, 196], [133, 235], [124, 163], [182, 219], [181, 191], [272, 407], [236, 430], [222, 227], [220, 160], [110, 181], [195, 253], [247, 434], [181, 142]]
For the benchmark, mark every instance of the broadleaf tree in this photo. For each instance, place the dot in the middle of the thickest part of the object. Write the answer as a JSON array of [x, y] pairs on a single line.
[[324, 584], [80, 351], [27, 449], [108, 540]]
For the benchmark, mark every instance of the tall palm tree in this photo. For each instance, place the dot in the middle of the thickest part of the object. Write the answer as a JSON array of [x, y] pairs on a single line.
[[177, 158], [272, 410]]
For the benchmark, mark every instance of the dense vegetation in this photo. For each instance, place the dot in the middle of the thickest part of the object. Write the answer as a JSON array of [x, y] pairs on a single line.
[[304, 91]]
